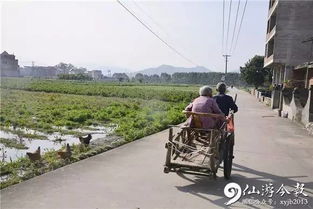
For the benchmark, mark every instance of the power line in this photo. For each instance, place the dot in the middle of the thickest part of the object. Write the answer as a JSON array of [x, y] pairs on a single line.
[[243, 13], [229, 14], [232, 39], [149, 16], [223, 26], [156, 23], [155, 34]]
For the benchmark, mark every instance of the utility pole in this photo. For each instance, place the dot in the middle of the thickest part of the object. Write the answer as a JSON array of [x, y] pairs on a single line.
[[226, 60], [310, 59]]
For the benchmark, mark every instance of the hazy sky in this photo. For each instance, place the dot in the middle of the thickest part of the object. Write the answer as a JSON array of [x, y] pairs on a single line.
[[102, 33]]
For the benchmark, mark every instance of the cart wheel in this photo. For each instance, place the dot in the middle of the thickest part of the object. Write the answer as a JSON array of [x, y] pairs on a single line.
[[166, 170], [228, 156]]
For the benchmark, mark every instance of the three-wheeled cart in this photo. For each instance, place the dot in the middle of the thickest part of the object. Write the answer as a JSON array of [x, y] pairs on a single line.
[[200, 151]]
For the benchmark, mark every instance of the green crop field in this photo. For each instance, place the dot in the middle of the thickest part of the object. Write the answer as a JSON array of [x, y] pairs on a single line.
[[168, 93], [137, 110], [46, 111]]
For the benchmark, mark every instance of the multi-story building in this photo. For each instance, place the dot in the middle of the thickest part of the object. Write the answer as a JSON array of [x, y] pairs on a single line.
[[9, 65], [289, 24]]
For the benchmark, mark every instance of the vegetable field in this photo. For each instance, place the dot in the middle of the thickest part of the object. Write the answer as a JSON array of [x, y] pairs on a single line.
[[49, 106]]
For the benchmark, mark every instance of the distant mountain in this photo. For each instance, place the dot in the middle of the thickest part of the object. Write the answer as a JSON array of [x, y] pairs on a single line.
[[172, 69]]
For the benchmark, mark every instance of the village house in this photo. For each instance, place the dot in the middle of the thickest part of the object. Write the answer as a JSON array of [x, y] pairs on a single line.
[[95, 74], [77, 71], [9, 65], [289, 56], [39, 71]]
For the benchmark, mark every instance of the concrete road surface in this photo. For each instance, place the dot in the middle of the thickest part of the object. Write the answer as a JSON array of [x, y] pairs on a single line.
[[268, 149]]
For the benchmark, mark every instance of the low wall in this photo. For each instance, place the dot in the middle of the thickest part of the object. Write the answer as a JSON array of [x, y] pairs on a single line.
[[307, 113], [266, 100], [296, 106]]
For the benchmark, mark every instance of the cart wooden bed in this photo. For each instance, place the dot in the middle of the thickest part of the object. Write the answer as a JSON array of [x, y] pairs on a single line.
[[200, 151]]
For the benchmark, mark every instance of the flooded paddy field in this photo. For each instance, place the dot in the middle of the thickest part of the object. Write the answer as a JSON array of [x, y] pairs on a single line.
[[47, 142]]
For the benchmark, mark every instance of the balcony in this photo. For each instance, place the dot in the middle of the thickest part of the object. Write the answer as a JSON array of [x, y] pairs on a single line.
[[270, 35], [272, 8], [268, 60]]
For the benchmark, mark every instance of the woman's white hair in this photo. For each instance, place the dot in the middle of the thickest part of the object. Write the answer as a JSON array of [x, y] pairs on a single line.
[[205, 91]]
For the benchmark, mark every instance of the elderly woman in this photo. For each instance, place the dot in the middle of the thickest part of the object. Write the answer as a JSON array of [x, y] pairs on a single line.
[[205, 104]]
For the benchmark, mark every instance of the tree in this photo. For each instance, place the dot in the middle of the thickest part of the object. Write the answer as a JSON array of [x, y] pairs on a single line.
[[121, 77], [64, 68], [166, 78], [155, 78], [139, 77], [254, 73], [146, 78]]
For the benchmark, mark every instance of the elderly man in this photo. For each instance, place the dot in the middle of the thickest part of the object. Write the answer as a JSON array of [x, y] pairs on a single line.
[[205, 104], [224, 101]]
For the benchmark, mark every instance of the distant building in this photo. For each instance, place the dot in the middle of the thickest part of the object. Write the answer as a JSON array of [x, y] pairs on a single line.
[[95, 74], [77, 71], [39, 71], [109, 79], [62, 70], [9, 65]]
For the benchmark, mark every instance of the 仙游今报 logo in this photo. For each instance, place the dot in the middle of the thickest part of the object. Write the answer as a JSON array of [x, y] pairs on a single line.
[[235, 192]]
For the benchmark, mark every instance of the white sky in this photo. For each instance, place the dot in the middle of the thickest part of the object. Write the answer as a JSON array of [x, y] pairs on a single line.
[[102, 33]]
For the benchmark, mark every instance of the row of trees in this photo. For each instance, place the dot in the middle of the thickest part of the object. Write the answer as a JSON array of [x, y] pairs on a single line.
[[210, 78], [79, 76], [65, 68], [253, 73]]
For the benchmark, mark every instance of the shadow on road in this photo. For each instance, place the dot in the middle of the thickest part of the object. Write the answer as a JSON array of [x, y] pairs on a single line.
[[213, 190]]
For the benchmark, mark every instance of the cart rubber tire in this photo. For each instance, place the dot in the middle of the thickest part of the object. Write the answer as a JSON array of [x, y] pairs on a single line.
[[228, 157], [166, 169]]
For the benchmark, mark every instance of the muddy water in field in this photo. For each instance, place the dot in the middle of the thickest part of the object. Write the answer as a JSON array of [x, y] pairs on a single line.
[[11, 154]]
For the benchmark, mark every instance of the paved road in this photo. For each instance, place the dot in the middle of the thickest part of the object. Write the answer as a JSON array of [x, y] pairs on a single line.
[[268, 149]]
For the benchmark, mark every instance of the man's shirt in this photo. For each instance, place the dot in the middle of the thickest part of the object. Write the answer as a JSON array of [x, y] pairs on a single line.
[[225, 103]]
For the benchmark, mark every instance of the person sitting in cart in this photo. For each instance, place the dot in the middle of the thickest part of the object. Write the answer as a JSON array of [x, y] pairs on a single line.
[[205, 104], [225, 102]]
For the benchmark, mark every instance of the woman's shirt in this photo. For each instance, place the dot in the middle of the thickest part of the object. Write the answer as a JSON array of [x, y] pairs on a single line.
[[205, 104]]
